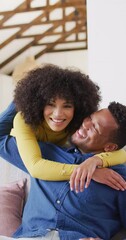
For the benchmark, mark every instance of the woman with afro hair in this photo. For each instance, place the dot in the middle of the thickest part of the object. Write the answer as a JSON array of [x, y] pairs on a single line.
[[51, 103]]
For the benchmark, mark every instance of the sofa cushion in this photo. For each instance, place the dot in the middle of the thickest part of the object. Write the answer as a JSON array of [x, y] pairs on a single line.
[[12, 197]]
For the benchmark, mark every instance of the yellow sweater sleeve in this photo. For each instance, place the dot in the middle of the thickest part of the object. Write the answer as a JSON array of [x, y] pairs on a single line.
[[31, 155], [112, 158]]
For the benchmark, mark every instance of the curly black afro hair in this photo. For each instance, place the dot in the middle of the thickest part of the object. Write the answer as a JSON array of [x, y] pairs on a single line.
[[40, 85], [118, 111]]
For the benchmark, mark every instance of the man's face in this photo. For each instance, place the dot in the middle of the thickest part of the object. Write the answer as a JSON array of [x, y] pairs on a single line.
[[95, 132]]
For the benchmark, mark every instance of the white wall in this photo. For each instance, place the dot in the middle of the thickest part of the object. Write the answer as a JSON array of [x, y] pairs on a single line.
[[67, 59], [64, 59], [107, 47]]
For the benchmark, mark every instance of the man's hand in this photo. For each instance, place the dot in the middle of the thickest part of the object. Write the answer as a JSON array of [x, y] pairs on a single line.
[[83, 173], [110, 178]]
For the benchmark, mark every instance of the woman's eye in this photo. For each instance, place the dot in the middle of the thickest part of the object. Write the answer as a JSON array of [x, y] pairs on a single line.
[[68, 106], [50, 104]]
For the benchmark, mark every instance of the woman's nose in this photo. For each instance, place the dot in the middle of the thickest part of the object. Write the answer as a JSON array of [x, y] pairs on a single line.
[[57, 112]]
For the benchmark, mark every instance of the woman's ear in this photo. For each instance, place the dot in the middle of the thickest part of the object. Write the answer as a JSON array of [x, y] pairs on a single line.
[[109, 147]]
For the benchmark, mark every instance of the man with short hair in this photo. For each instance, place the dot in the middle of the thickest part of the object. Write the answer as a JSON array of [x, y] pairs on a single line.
[[52, 208]]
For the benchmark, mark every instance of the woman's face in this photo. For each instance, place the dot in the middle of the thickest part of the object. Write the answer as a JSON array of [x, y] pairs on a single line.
[[58, 113]]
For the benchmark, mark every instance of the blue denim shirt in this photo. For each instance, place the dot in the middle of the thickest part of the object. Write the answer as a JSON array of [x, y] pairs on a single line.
[[98, 211]]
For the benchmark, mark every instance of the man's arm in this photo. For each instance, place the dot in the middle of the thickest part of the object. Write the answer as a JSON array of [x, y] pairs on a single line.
[[122, 207], [8, 148], [6, 120]]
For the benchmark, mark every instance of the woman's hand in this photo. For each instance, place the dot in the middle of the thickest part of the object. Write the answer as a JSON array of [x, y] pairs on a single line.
[[83, 173], [110, 178], [88, 170]]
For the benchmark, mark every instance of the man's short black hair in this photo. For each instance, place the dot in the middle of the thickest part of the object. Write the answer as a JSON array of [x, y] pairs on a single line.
[[118, 111]]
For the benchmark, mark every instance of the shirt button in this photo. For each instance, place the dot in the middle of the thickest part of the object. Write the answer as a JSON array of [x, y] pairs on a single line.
[[58, 201], [63, 171], [75, 150]]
